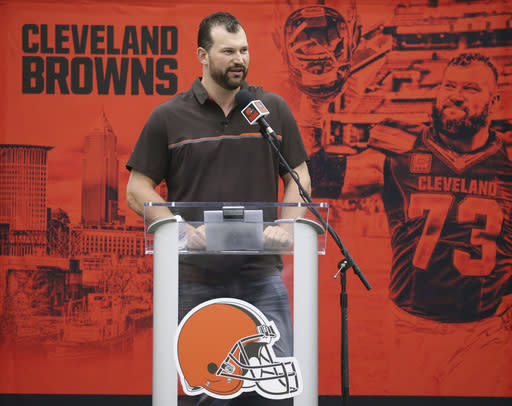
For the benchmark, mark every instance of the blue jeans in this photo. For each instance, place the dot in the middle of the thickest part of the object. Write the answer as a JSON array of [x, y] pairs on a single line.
[[269, 295]]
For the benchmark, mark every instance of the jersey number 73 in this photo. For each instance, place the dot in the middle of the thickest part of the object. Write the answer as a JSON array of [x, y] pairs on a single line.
[[436, 207]]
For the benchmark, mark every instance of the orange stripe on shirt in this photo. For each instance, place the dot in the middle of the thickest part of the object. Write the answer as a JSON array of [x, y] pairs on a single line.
[[219, 138]]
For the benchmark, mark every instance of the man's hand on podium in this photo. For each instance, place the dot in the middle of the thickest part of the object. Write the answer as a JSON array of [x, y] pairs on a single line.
[[274, 237], [278, 237], [196, 237]]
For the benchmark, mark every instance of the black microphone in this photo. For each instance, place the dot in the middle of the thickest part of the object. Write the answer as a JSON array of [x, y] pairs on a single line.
[[254, 111]]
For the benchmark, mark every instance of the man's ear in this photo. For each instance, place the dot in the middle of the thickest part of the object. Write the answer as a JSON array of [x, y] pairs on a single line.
[[495, 102], [202, 55]]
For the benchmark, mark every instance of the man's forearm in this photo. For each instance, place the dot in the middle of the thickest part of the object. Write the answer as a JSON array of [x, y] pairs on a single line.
[[141, 189], [152, 213], [292, 193], [364, 174]]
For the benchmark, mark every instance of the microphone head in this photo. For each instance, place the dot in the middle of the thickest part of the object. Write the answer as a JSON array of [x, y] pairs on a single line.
[[252, 109], [243, 98]]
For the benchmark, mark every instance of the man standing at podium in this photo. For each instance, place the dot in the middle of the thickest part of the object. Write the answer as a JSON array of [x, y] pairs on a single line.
[[202, 146]]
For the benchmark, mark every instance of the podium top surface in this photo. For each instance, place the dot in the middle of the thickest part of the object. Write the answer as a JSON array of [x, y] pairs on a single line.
[[252, 205], [246, 228]]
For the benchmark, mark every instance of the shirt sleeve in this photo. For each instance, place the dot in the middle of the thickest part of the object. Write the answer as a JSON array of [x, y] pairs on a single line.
[[150, 155]]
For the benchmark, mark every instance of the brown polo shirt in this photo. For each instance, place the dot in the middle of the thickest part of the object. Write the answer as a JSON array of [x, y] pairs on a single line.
[[205, 156]]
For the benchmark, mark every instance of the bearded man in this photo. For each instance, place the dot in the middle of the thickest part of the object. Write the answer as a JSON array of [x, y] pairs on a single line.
[[199, 143], [447, 193]]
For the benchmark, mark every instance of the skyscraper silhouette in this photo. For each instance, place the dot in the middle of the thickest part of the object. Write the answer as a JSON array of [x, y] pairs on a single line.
[[100, 177], [23, 194]]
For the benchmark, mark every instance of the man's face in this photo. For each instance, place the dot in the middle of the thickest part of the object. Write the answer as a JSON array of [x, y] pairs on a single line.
[[464, 99], [228, 58]]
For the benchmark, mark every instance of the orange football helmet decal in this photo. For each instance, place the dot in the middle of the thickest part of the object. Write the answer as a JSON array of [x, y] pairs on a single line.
[[224, 348]]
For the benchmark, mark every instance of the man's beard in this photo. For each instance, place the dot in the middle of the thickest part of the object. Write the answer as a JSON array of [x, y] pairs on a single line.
[[464, 127], [223, 80]]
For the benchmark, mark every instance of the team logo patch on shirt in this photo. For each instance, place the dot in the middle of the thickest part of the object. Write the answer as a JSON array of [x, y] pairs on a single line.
[[421, 163]]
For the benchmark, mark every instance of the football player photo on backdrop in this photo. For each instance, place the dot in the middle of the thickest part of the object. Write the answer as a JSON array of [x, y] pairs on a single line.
[[447, 190]]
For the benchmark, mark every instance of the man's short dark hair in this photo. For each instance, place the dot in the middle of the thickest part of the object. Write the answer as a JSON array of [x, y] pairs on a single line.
[[221, 18], [469, 58]]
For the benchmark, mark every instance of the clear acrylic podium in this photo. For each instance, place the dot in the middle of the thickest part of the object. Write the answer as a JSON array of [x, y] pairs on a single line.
[[234, 229]]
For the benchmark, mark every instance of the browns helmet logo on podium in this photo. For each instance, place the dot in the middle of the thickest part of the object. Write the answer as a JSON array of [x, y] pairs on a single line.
[[224, 347]]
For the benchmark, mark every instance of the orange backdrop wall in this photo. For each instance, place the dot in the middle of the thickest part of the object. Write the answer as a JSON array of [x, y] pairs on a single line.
[[75, 286]]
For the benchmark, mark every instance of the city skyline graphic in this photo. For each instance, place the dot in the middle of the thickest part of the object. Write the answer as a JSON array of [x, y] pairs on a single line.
[[80, 272]]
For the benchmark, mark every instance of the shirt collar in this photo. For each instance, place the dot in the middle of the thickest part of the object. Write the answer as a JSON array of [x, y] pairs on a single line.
[[202, 95]]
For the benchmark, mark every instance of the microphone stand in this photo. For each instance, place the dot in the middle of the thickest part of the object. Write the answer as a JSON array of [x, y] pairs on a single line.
[[345, 264]]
